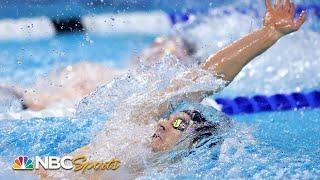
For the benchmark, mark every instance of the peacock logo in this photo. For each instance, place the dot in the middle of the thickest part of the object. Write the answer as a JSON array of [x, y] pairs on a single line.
[[22, 163]]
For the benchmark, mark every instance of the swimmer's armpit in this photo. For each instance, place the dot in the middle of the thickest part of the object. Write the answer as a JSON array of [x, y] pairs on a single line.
[[278, 21]]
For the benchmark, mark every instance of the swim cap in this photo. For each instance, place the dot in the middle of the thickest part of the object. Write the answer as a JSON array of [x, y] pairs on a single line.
[[195, 115]]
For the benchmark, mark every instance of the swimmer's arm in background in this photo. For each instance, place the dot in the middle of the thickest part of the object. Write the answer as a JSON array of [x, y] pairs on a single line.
[[279, 21]]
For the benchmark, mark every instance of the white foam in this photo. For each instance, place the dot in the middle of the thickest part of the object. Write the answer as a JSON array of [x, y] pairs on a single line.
[[136, 22], [26, 28], [24, 115], [212, 103], [124, 101]]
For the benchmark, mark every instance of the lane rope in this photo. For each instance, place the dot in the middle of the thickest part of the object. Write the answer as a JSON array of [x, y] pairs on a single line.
[[262, 103], [235, 106], [152, 23]]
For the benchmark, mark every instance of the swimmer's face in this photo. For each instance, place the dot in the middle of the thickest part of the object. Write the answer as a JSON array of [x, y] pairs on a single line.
[[166, 135]]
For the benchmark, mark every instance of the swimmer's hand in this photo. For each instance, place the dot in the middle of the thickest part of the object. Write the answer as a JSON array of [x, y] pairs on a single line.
[[281, 17]]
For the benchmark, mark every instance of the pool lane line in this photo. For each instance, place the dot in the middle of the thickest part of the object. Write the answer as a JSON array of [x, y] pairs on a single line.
[[155, 22], [178, 17], [234, 106], [263, 103]]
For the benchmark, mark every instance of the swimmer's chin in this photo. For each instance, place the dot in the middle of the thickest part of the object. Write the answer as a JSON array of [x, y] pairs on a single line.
[[153, 146]]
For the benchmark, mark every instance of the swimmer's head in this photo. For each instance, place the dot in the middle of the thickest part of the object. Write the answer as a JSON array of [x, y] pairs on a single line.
[[162, 46], [189, 122]]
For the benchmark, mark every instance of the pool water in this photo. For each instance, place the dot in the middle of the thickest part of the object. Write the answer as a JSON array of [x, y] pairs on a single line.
[[22, 61], [271, 145], [263, 145]]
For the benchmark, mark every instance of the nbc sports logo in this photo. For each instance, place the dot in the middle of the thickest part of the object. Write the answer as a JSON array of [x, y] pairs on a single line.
[[22, 163], [77, 163]]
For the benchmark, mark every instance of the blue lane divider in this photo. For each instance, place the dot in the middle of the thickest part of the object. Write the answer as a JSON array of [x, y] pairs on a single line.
[[176, 17], [277, 102]]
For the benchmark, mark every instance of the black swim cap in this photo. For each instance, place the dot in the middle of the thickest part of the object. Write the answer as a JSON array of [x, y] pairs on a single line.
[[195, 115], [203, 129]]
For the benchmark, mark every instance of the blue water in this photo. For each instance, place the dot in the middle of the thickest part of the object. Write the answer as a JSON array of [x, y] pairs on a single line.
[[76, 8], [293, 132], [60, 9], [22, 61], [289, 140], [45, 136], [286, 144]]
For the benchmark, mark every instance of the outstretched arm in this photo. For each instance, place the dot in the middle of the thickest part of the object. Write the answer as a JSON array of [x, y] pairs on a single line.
[[228, 62], [278, 22]]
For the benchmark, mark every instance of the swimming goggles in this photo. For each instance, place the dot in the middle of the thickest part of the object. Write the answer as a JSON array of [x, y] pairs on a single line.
[[180, 124]]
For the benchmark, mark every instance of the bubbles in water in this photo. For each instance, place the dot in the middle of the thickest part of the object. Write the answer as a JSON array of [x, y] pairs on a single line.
[[9, 100]]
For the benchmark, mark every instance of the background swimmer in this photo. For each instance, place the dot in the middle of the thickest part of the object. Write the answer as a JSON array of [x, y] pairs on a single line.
[[74, 82], [67, 86], [173, 44], [226, 64]]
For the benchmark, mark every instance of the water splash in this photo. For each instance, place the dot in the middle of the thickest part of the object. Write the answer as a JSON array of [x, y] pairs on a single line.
[[132, 105], [143, 87]]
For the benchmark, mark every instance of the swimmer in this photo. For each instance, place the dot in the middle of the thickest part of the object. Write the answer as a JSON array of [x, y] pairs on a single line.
[[173, 44], [77, 81], [192, 122], [225, 64], [67, 86]]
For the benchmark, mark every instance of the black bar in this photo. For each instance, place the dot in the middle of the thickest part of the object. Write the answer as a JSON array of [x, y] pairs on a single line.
[[68, 25]]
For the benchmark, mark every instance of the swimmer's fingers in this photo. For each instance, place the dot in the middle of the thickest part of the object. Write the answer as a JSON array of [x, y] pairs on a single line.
[[292, 10], [287, 4], [278, 4], [301, 20], [268, 4]]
